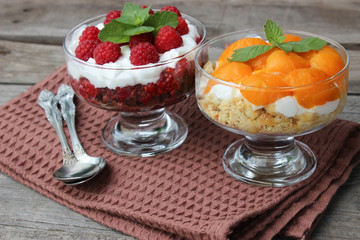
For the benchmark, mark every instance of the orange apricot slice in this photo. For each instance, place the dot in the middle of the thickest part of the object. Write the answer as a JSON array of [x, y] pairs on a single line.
[[259, 62], [242, 43], [327, 60], [307, 55], [291, 38], [266, 92], [281, 62], [316, 93], [230, 72]]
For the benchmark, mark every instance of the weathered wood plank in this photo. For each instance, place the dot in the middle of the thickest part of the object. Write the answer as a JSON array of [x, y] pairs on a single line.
[[51, 221], [29, 63], [49, 21], [25, 214], [8, 92]]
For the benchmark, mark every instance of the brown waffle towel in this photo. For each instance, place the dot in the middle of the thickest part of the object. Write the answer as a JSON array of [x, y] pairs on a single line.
[[183, 194]]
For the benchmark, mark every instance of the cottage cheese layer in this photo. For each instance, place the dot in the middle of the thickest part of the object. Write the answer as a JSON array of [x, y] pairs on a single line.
[[118, 74]]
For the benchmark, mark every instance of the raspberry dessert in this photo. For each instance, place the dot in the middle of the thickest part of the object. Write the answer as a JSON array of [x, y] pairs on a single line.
[[146, 67], [137, 61]]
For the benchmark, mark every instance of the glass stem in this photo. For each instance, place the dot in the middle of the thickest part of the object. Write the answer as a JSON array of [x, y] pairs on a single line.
[[266, 152], [141, 126]]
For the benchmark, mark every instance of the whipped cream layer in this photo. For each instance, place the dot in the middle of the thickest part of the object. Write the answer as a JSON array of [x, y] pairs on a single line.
[[287, 106], [102, 76]]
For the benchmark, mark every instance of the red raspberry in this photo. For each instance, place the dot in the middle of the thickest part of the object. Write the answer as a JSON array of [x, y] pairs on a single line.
[[144, 53], [167, 83], [86, 89], [112, 15], [150, 11], [182, 26], [85, 49], [107, 52], [171, 9], [90, 33], [198, 39], [181, 68], [145, 37], [167, 39], [123, 93]]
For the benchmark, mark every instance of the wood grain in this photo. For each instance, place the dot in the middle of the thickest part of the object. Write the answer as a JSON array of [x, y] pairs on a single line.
[[44, 22], [31, 35]]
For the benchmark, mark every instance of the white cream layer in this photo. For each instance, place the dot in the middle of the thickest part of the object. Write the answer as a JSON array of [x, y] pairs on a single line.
[[111, 78], [287, 106]]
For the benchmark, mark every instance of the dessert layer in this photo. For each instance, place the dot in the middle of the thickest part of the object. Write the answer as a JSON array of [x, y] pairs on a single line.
[[117, 74]]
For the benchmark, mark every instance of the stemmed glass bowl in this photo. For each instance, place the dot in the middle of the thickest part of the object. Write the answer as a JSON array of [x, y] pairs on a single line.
[[267, 155], [140, 94]]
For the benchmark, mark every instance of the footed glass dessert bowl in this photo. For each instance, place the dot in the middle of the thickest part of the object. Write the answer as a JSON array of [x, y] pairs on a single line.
[[140, 91], [270, 99]]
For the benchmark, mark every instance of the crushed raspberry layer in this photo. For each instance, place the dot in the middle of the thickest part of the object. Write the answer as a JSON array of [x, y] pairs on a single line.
[[173, 86]]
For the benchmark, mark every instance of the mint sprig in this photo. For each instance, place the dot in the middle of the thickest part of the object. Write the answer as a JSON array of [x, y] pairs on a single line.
[[245, 54], [133, 14], [135, 20], [275, 36], [161, 19]]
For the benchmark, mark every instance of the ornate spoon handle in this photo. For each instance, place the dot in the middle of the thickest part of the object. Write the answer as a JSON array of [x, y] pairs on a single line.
[[65, 96], [48, 102]]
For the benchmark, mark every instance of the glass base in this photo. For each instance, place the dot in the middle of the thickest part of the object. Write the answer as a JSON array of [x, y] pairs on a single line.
[[271, 163], [144, 134]]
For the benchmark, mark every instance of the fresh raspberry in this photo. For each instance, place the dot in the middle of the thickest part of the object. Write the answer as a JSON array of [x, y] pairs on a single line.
[[85, 49], [90, 33], [150, 11], [144, 37], [167, 39], [182, 26], [107, 52], [171, 9], [112, 15], [144, 53]]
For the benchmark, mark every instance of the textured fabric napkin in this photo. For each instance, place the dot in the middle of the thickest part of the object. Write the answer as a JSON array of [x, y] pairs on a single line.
[[183, 194]]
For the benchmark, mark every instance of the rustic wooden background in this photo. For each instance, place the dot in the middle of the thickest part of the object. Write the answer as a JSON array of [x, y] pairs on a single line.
[[31, 34]]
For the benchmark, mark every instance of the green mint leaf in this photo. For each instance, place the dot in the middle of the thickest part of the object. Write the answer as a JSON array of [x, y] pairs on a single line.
[[161, 19], [114, 32], [275, 36], [274, 33], [138, 30], [286, 46], [307, 44], [133, 14], [247, 53]]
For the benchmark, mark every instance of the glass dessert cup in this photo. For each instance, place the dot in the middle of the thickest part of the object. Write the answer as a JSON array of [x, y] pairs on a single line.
[[268, 154], [143, 127]]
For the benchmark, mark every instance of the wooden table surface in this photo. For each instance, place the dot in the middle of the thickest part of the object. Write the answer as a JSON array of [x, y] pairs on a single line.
[[31, 34]]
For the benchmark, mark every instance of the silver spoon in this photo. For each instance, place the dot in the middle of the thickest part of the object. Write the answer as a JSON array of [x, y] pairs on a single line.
[[72, 169], [65, 95], [76, 182]]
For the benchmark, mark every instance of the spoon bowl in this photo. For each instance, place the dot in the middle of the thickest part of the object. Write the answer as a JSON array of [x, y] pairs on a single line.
[[101, 165], [76, 171]]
